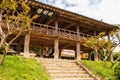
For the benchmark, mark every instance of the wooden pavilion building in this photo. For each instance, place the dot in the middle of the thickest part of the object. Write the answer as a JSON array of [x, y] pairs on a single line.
[[59, 29]]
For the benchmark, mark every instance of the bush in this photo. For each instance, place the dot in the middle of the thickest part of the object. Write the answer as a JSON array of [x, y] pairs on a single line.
[[117, 71], [115, 55], [92, 55], [35, 49]]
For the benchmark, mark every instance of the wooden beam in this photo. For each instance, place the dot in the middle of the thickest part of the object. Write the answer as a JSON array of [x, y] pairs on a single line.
[[66, 27], [75, 23], [66, 46], [67, 20], [50, 21]]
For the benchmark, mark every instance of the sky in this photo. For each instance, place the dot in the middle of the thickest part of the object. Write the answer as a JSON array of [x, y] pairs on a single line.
[[106, 10]]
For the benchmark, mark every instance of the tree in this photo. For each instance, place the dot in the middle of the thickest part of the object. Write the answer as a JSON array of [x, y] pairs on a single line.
[[117, 72], [13, 20], [116, 35], [92, 44], [104, 46]]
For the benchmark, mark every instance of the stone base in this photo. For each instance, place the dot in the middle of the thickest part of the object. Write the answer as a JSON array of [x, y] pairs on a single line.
[[26, 55]]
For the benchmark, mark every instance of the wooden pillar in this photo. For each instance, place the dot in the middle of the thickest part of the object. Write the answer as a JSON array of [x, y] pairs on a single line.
[[56, 42], [19, 47], [96, 58], [60, 50], [56, 27], [26, 44], [56, 49], [78, 51], [89, 56], [41, 51], [95, 34], [78, 30], [108, 36]]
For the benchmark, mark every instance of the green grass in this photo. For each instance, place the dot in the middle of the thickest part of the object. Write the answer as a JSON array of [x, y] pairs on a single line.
[[98, 68], [20, 68]]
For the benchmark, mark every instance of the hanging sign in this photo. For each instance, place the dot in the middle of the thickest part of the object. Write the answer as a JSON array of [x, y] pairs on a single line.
[[45, 12]]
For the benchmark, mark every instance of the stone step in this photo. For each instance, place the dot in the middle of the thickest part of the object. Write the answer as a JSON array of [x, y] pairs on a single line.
[[66, 72], [41, 59], [54, 64], [62, 68], [69, 76], [61, 65], [58, 62], [73, 79]]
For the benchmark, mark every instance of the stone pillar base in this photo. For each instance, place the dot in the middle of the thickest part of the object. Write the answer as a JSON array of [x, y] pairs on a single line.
[[26, 55]]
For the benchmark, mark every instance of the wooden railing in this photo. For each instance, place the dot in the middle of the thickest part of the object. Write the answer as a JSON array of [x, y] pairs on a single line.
[[62, 33]]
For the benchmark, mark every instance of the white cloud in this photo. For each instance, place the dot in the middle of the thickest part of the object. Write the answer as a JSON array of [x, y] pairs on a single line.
[[107, 10]]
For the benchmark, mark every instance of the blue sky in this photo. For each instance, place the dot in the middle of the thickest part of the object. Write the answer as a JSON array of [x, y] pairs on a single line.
[[107, 10]]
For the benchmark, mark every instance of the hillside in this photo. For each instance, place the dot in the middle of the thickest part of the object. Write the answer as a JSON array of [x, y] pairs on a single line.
[[20, 68]]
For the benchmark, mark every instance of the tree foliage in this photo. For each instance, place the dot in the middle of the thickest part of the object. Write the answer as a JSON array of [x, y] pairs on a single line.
[[13, 20], [104, 46], [117, 71]]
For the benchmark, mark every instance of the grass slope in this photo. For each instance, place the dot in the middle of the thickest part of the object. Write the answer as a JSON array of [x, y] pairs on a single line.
[[20, 68], [97, 68]]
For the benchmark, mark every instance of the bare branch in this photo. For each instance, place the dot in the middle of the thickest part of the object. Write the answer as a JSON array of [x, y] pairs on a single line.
[[15, 37]]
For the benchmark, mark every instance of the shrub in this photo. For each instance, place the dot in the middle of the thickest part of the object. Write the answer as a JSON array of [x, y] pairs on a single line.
[[115, 55], [117, 71]]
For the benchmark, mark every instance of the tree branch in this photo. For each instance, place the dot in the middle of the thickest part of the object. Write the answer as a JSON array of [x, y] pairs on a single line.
[[15, 37]]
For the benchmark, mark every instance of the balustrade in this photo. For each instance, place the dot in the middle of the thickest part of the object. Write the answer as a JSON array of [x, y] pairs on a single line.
[[63, 33], [50, 30]]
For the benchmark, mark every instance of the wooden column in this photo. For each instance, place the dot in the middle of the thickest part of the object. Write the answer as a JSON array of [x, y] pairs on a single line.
[[60, 50], [19, 46], [89, 56], [56, 27], [26, 44], [56, 49], [95, 34], [108, 36], [56, 42], [78, 30], [96, 58], [78, 51], [41, 51]]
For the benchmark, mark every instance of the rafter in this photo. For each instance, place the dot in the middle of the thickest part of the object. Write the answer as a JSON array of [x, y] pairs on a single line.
[[75, 23], [49, 21], [68, 26]]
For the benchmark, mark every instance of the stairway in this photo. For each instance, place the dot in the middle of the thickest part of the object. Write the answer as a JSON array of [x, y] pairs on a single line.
[[65, 70]]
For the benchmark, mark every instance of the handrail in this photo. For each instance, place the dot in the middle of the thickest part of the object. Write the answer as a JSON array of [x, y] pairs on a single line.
[[51, 30], [64, 33], [61, 32]]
